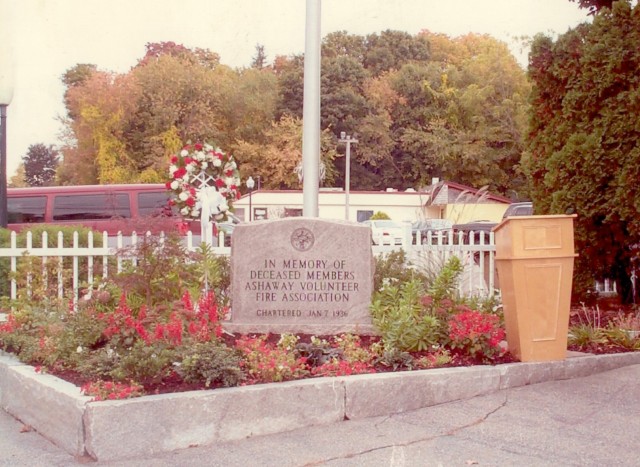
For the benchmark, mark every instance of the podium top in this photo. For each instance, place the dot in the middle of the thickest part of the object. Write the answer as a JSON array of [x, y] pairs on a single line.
[[534, 218]]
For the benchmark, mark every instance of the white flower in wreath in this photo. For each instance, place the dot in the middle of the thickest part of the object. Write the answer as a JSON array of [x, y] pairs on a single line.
[[172, 169], [217, 162], [184, 153], [183, 196], [175, 184], [184, 211], [204, 165]]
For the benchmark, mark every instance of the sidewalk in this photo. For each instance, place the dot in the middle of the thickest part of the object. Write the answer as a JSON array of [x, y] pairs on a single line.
[[590, 420]]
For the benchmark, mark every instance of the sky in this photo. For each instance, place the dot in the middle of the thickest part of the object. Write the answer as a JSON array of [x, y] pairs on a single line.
[[41, 39]]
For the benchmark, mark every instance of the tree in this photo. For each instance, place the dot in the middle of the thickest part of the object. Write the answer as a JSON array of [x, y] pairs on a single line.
[[461, 117], [177, 97], [290, 74], [73, 77], [122, 127], [202, 57], [96, 152], [389, 50], [594, 6], [17, 180], [260, 60], [583, 151], [275, 162], [40, 165]]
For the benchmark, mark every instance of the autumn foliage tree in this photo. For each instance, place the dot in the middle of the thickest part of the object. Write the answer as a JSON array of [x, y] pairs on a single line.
[[584, 151], [420, 105]]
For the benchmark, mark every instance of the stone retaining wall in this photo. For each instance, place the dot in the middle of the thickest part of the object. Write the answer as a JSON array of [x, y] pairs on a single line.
[[112, 430]]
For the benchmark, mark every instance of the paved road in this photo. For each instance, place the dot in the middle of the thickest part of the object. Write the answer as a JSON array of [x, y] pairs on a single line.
[[580, 422]]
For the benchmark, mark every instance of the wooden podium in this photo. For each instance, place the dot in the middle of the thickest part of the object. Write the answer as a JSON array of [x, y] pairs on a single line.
[[534, 258]]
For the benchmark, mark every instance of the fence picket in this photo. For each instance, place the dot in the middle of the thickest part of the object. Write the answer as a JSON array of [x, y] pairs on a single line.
[[477, 257]]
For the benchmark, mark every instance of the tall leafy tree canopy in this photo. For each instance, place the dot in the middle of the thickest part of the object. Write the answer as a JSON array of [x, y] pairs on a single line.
[[584, 138], [594, 6], [40, 165], [420, 105]]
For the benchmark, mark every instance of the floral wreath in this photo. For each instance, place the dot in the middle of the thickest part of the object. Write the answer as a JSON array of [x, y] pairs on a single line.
[[199, 171]]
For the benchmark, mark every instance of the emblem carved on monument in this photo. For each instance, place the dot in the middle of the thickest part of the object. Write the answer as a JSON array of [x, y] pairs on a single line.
[[302, 239]]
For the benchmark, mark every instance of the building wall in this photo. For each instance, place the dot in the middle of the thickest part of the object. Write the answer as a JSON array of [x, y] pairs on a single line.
[[462, 213], [400, 206]]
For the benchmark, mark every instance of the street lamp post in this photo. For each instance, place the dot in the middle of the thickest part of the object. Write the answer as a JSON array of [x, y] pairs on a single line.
[[348, 140], [250, 184], [6, 93]]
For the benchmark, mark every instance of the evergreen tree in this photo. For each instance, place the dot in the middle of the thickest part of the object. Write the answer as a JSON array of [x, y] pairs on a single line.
[[584, 140]]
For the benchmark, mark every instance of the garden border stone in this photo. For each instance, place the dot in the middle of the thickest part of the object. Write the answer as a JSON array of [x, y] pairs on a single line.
[[162, 423]]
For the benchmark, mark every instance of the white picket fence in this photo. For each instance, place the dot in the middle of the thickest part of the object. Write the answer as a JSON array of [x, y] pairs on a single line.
[[87, 264]]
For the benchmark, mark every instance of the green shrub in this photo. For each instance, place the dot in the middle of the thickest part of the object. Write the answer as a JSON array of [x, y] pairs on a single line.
[[4, 264], [622, 337], [164, 269], [213, 363], [379, 215], [392, 268], [396, 359], [445, 284], [401, 320], [583, 335], [142, 361], [53, 231], [32, 285]]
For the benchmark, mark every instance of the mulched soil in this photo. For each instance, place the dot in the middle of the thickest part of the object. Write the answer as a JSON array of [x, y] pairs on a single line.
[[174, 383], [608, 309]]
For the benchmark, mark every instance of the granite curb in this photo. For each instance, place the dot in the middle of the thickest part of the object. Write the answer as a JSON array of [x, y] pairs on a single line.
[[167, 422]]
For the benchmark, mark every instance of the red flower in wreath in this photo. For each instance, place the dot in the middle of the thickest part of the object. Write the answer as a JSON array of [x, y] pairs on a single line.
[[197, 167]]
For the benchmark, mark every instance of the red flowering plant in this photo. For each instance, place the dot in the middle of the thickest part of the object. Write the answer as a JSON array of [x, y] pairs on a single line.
[[109, 390], [264, 362], [477, 334], [146, 344], [199, 166]]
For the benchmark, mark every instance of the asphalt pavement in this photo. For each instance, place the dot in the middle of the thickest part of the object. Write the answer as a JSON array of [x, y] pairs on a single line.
[[587, 421]]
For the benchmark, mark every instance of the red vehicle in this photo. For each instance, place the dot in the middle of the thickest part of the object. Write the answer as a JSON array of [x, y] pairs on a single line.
[[110, 208]]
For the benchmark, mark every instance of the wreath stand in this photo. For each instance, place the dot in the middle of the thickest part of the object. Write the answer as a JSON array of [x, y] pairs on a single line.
[[209, 199]]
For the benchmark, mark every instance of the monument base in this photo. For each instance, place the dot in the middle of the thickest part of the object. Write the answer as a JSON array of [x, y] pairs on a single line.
[[301, 328]]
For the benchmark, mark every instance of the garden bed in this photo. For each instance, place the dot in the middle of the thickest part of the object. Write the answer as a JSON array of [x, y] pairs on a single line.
[[174, 383]]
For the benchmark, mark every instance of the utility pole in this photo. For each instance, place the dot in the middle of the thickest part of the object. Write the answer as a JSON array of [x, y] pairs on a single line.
[[348, 140]]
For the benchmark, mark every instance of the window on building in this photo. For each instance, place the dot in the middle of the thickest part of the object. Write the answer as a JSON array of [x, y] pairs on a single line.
[[292, 212], [364, 215], [259, 214]]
